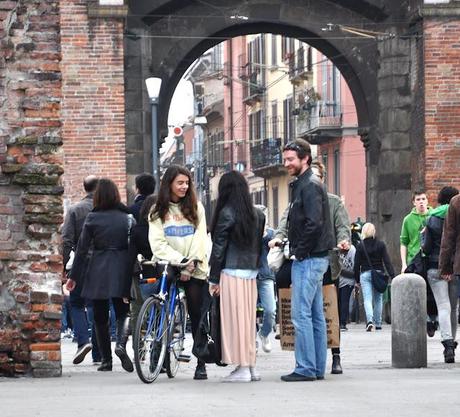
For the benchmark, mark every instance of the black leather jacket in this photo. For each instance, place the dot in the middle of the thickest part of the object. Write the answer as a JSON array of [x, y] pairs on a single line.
[[309, 223], [431, 240], [226, 254]]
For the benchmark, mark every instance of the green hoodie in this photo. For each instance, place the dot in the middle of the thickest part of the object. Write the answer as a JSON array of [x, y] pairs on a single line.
[[412, 225]]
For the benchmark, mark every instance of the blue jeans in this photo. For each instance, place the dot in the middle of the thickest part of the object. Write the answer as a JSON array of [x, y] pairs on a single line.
[[266, 291], [308, 316], [373, 299]]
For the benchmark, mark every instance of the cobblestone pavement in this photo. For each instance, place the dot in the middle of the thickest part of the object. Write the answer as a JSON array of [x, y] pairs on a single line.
[[369, 386]]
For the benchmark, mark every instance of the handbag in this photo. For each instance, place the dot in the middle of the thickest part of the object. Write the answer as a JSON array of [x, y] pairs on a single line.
[[275, 258], [207, 341], [378, 278]]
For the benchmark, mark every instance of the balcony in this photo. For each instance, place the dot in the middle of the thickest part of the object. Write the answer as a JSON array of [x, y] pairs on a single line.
[[320, 122], [266, 158]]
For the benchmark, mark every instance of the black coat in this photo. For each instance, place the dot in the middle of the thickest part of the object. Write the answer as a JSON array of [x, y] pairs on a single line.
[[226, 254], [139, 244], [105, 273], [378, 255], [431, 239], [309, 222]]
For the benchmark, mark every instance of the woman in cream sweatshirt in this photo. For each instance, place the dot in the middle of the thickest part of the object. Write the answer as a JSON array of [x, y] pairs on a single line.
[[177, 233]]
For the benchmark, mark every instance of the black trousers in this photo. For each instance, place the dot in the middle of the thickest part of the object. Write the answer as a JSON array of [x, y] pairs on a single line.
[[344, 303]]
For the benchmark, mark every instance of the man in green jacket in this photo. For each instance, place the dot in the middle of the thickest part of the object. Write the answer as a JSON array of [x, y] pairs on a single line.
[[411, 228], [412, 225]]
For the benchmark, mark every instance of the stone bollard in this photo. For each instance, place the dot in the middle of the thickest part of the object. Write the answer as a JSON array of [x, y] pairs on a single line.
[[408, 322]]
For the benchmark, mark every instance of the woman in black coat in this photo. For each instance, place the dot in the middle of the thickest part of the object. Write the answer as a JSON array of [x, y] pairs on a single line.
[[101, 266]]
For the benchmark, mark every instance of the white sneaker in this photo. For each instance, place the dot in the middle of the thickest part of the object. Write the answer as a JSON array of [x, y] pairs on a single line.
[[255, 376], [240, 374], [266, 344]]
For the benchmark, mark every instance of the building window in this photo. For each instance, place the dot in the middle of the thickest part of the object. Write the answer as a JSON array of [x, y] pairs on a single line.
[[275, 210], [275, 130], [337, 172], [274, 51], [287, 120], [325, 158]]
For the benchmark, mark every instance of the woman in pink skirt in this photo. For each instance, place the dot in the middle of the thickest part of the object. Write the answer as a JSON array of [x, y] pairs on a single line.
[[237, 229]]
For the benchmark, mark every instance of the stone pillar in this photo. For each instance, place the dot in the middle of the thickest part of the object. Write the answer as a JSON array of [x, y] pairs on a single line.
[[408, 322], [30, 185]]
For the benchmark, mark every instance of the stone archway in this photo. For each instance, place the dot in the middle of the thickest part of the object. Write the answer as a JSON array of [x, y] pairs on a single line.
[[381, 73], [73, 69]]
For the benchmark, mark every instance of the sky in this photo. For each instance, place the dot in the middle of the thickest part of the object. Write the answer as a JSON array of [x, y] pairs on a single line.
[[181, 104]]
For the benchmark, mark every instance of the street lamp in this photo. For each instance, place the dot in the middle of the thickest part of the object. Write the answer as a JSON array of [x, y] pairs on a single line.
[[202, 174], [153, 89]]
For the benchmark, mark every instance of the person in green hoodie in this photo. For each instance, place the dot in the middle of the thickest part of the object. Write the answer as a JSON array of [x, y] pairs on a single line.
[[444, 291], [412, 225]]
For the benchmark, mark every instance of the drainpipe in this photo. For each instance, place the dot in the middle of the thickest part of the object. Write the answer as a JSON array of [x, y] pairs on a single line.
[[230, 48]]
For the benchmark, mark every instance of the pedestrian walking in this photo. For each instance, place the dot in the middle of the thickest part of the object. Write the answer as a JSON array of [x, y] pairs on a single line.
[[106, 275], [310, 239], [177, 233], [266, 287], [80, 308], [371, 253], [346, 284], [237, 230], [144, 186], [444, 290], [412, 225]]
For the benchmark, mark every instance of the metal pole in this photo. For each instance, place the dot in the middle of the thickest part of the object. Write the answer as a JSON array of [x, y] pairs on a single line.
[[155, 168]]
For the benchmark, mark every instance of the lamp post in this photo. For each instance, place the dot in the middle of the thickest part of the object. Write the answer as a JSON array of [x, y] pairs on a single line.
[[153, 89], [202, 175]]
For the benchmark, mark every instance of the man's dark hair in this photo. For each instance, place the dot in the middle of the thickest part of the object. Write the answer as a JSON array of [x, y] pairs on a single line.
[[446, 194], [301, 147], [106, 196], [145, 183], [90, 183], [417, 192]]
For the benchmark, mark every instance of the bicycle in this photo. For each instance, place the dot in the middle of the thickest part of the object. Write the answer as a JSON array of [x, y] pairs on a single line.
[[160, 328]]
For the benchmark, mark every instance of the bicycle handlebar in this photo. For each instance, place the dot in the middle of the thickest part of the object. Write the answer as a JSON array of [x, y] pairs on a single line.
[[164, 262]]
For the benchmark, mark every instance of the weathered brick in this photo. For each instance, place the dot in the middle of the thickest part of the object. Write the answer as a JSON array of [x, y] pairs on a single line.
[[44, 346], [39, 297]]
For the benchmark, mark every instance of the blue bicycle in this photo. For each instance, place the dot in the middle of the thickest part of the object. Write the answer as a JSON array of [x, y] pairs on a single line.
[[160, 328]]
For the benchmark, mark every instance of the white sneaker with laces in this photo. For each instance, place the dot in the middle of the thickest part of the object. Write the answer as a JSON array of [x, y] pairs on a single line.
[[266, 344], [239, 374]]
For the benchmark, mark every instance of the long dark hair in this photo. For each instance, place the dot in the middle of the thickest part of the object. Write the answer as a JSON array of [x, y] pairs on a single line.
[[234, 193], [188, 205]]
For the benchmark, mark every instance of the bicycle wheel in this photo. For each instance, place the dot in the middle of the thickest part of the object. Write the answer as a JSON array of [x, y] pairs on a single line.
[[150, 340], [176, 338]]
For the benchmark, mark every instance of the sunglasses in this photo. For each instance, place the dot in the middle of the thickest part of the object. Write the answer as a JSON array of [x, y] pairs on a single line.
[[292, 146]]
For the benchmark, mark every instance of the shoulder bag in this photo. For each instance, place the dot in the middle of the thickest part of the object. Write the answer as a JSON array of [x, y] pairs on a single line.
[[379, 279]]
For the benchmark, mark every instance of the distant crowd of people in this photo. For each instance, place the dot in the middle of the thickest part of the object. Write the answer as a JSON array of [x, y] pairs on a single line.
[[102, 239]]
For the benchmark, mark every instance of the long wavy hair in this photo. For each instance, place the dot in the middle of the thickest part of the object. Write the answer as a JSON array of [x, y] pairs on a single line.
[[188, 205], [234, 192]]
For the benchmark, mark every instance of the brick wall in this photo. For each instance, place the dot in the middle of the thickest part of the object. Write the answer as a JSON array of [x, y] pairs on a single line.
[[442, 103], [93, 106], [30, 188]]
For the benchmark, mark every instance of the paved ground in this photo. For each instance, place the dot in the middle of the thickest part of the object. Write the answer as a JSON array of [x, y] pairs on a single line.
[[369, 386]]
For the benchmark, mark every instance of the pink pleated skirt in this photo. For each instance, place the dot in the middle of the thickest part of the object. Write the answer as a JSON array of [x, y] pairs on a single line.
[[238, 298]]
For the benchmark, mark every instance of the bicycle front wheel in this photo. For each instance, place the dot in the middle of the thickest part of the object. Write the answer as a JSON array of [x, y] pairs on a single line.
[[150, 340], [177, 338]]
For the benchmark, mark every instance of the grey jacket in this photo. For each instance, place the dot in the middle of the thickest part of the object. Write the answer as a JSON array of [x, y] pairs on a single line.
[[73, 225]]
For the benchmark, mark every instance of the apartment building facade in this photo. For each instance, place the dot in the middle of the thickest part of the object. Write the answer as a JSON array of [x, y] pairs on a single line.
[[257, 92]]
